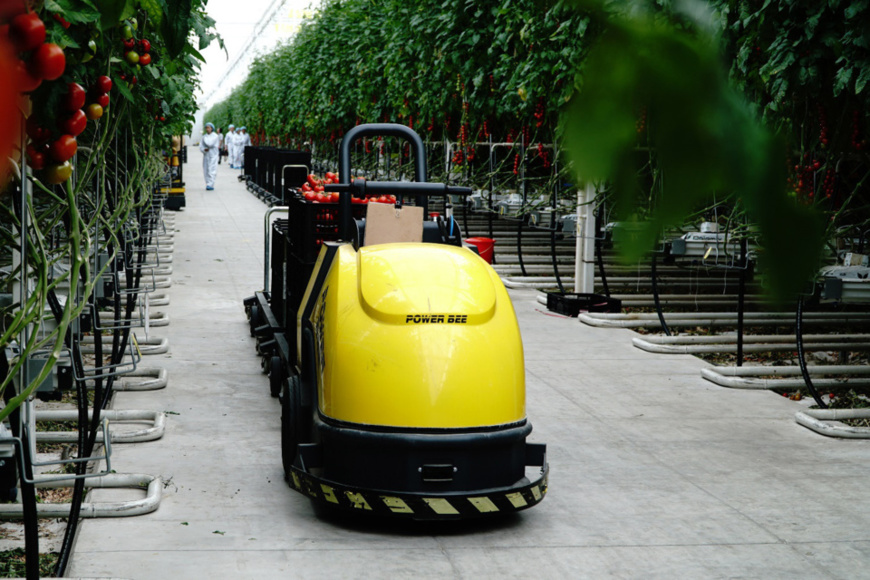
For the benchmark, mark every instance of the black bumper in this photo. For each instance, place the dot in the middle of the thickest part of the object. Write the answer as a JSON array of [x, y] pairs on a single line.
[[422, 475]]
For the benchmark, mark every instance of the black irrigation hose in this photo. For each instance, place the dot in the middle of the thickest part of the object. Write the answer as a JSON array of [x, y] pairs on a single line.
[[799, 316], [555, 260], [28, 492], [599, 257], [31, 523], [655, 289], [741, 306], [520, 246], [86, 447]]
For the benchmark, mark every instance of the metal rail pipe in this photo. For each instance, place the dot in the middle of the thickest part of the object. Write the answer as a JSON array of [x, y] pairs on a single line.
[[152, 484], [157, 418], [747, 377], [819, 420]]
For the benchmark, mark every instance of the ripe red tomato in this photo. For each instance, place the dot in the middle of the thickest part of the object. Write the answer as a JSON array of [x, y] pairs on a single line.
[[63, 148], [320, 198], [145, 59], [36, 157], [144, 45], [312, 180], [75, 97], [333, 196], [306, 187], [27, 31], [75, 123], [55, 174], [308, 195], [94, 111], [62, 20], [47, 62], [9, 8], [37, 132], [103, 84], [332, 176], [129, 44]]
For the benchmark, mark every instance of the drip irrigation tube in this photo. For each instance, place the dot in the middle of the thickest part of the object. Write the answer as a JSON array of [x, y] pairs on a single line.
[[758, 343]]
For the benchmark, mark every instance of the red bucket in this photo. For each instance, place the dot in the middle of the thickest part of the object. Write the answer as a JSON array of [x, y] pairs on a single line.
[[484, 247]]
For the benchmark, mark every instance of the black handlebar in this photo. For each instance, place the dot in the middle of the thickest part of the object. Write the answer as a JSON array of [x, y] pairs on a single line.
[[361, 188], [387, 130]]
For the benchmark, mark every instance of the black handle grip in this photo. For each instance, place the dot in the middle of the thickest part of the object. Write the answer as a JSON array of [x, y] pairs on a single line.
[[361, 188]]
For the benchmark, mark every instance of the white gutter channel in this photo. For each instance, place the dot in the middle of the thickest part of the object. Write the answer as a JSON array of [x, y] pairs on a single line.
[[157, 418], [153, 485]]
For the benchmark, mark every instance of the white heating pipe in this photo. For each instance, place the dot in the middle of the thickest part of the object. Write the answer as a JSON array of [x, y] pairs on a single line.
[[152, 484], [747, 377], [818, 420], [157, 418]]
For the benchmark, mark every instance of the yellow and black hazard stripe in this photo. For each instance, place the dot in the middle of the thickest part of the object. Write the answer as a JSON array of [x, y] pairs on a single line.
[[421, 505]]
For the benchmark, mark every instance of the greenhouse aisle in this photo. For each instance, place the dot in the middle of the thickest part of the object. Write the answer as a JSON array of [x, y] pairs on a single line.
[[655, 473]]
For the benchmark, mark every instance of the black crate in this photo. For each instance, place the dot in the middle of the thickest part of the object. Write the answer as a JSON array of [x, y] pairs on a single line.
[[570, 303], [311, 224]]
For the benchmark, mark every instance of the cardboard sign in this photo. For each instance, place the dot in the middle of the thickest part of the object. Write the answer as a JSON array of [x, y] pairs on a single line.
[[385, 224]]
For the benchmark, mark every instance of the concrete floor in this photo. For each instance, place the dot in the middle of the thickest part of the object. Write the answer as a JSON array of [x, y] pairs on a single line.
[[655, 473]]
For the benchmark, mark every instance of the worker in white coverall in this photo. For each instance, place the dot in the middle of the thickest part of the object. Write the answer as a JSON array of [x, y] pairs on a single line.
[[242, 140], [210, 147], [230, 145]]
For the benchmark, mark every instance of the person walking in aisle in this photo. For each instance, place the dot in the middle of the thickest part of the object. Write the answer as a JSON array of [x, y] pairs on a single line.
[[242, 140], [209, 145], [230, 144]]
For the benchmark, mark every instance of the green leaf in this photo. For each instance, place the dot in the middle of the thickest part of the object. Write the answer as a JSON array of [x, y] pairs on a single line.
[[125, 90], [841, 81], [176, 26], [111, 11], [155, 10], [862, 80]]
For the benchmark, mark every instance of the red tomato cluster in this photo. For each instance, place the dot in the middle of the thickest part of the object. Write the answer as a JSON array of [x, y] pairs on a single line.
[[38, 60], [313, 190], [135, 52]]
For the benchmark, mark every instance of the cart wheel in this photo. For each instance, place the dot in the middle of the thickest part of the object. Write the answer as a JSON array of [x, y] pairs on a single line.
[[255, 318], [276, 375], [291, 421]]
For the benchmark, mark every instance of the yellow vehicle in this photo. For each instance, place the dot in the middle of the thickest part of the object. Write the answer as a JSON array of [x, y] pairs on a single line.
[[406, 395]]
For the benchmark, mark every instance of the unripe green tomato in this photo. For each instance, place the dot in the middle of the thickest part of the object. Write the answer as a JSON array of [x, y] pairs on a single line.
[[127, 32], [132, 57]]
